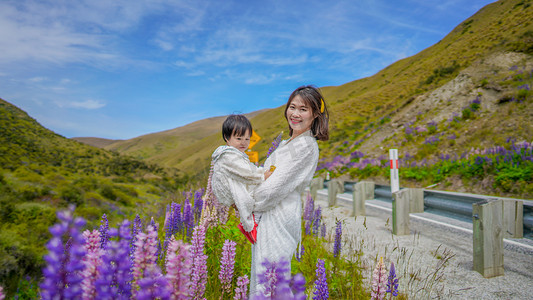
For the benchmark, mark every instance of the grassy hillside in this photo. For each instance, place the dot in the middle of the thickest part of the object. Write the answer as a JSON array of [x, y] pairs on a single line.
[[94, 141], [41, 171], [486, 58]]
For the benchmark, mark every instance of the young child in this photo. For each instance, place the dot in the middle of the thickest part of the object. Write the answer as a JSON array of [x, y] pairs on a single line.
[[234, 176]]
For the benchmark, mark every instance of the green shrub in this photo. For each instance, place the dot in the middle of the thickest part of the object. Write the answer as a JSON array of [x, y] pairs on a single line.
[[523, 94], [467, 114], [71, 194], [108, 192]]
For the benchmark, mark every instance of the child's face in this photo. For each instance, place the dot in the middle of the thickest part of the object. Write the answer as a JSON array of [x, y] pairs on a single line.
[[240, 142]]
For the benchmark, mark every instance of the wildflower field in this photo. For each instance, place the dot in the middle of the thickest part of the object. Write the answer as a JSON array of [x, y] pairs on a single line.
[[195, 256], [508, 167]]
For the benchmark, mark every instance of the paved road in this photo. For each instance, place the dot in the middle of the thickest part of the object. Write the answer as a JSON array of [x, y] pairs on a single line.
[[435, 260]]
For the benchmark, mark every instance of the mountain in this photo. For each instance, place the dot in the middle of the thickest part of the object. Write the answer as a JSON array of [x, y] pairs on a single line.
[[176, 147], [478, 76], [42, 172], [94, 141]]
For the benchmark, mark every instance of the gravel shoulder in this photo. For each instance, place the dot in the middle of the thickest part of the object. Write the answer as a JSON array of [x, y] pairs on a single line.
[[435, 261]]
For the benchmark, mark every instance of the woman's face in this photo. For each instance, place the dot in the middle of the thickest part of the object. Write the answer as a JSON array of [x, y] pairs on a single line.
[[299, 116]]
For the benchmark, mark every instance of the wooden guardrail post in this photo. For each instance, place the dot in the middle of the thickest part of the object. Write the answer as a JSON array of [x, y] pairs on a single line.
[[316, 184], [416, 200], [513, 218], [400, 212], [335, 186], [487, 221], [368, 191], [362, 191]]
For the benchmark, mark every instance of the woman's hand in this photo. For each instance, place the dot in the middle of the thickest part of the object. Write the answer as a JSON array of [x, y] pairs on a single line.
[[268, 173]]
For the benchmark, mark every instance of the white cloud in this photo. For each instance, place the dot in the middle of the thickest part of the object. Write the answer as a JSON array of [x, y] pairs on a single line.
[[167, 46], [260, 79], [38, 79], [87, 104], [196, 73]]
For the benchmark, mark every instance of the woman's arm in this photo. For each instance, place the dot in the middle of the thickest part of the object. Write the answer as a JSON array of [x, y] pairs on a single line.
[[301, 160]]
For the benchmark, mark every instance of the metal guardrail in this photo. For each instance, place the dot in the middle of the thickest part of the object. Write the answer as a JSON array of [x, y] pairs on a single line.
[[458, 205]]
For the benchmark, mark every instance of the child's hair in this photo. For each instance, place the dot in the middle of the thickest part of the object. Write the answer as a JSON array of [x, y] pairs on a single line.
[[235, 125], [313, 98]]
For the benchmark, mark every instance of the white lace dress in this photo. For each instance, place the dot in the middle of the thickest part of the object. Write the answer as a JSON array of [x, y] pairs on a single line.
[[278, 207], [233, 180]]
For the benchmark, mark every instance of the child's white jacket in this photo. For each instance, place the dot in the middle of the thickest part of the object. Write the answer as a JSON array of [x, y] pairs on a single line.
[[234, 177]]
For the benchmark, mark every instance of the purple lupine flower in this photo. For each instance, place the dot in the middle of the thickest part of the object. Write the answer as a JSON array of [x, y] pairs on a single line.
[[104, 228], [323, 230], [199, 265], [309, 208], [316, 220], [176, 218], [379, 281], [275, 278], [275, 144], [227, 262], [2, 296], [431, 140], [115, 277], [307, 227], [298, 287], [321, 285], [188, 219], [198, 203], [145, 255], [62, 278], [178, 266], [338, 240], [154, 224], [356, 155], [392, 281], [300, 252], [92, 259], [153, 285], [241, 291]]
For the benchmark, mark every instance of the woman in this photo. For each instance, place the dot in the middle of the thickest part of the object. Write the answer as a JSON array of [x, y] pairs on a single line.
[[278, 206]]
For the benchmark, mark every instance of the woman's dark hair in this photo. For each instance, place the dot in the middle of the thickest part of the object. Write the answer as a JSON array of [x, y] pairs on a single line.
[[235, 125], [313, 98]]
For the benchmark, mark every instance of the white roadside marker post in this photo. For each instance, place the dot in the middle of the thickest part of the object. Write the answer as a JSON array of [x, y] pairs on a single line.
[[400, 200], [394, 166]]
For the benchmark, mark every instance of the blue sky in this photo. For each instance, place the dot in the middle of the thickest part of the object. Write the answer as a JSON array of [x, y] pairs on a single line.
[[119, 69]]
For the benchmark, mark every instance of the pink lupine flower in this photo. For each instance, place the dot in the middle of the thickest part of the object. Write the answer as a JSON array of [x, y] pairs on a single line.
[[145, 254], [242, 288], [379, 281], [2, 296], [199, 265], [227, 262], [91, 261], [178, 265]]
